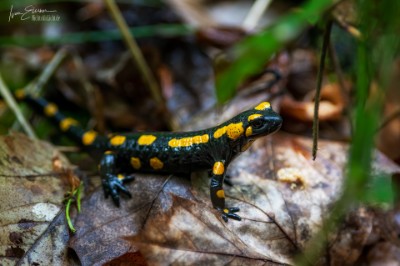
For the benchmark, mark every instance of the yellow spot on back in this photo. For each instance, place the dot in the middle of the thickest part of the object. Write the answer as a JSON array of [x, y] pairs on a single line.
[[66, 123], [120, 176], [263, 106], [108, 152], [220, 194], [226, 211], [146, 139], [156, 164], [188, 141], [220, 132], [234, 131], [252, 117], [117, 140], [50, 109], [135, 162], [218, 168], [20, 94], [89, 137], [249, 131]]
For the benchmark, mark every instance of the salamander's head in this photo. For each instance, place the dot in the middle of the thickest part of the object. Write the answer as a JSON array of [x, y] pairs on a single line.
[[260, 121], [249, 125]]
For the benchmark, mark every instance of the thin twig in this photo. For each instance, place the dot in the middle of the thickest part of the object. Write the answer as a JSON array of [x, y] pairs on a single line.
[[91, 93], [7, 96], [38, 84], [257, 10], [389, 119], [321, 67], [135, 51]]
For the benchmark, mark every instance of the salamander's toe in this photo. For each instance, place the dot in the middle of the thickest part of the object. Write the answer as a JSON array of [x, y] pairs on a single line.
[[229, 213], [114, 184]]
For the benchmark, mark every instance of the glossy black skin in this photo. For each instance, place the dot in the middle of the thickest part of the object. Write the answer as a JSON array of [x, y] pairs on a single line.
[[176, 160]]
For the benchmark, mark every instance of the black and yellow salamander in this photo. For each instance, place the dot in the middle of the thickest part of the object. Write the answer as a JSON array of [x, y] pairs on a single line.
[[210, 149]]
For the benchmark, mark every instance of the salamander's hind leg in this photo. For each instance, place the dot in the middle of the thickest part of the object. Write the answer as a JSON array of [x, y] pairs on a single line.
[[227, 179], [218, 195], [113, 182]]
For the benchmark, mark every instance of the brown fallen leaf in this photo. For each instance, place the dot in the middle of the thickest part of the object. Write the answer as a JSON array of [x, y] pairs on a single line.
[[188, 235], [102, 226], [283, 196], [170, 222], [32, 222], [353, 236]]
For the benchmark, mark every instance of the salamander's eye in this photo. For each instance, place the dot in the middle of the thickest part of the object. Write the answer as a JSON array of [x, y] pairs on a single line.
[[257, 124]]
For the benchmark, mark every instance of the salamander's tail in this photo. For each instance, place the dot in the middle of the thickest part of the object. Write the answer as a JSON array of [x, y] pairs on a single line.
[[66, 124]]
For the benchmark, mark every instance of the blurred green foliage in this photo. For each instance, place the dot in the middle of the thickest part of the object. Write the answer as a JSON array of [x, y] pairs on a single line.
[[376, 51], [161, 30], [248, 57]]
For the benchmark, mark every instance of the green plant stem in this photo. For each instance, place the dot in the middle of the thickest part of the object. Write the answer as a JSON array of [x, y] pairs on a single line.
[[325, 44], [163, 30]]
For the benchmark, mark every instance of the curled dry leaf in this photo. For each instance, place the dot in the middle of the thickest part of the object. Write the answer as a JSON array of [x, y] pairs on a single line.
[[32, 224], [330, 108]]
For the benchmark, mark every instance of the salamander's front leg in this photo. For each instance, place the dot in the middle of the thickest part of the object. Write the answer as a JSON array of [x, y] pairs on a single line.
[[112, 181], [218, 195]]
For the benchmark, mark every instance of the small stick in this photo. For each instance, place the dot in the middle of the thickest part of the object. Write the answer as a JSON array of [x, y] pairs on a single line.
[[389, 119], [135, 51], [37, 84], [325, 44], [44, 77], [5, 92], [257, 10]]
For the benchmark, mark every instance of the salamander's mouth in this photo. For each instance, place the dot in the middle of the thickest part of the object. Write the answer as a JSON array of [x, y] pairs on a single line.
[[275, 123]]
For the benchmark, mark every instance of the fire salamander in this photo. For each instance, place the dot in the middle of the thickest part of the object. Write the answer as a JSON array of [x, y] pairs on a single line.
[[210, 149]]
